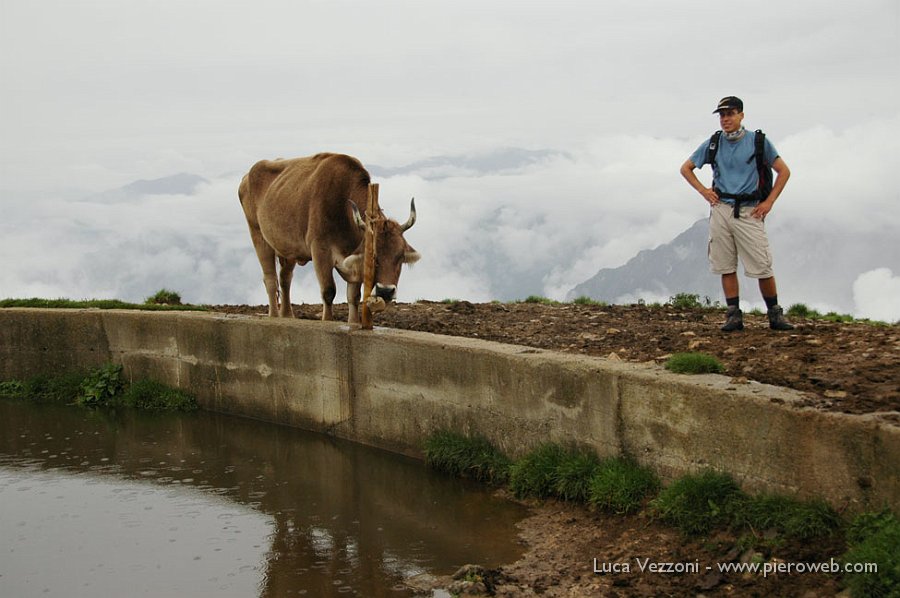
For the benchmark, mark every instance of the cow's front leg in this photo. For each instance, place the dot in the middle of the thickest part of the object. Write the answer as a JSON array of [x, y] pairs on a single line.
[[285, 277], [354, 290], [324, 273]]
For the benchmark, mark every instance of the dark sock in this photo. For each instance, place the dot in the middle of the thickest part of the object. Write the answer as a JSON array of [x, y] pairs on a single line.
[[771, 301], [732, 301]]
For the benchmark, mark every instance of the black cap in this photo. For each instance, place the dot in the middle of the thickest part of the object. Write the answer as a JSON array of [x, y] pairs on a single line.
[[729, 103]]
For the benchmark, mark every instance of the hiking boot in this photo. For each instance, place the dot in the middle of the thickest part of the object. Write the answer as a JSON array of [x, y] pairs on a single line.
[[776, 319], [734, 319]]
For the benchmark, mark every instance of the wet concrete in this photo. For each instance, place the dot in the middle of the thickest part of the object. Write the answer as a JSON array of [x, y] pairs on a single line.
[[95, 503]]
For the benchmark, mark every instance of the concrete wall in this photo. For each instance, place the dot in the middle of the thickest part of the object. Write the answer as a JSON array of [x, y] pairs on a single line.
[[391, 389]]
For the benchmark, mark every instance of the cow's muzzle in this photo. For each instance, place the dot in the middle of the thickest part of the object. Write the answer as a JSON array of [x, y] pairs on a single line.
[[388, 292]]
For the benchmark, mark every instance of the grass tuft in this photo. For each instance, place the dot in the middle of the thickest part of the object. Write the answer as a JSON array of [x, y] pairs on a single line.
[[694, 363], [874, 538], [801, 310], [585, 300], [462, 456], [621, 485], [535, 474], [803, 520], [572, 479], [150, 395], [164, 297], [697, 503], [685, 301], [541, 300]]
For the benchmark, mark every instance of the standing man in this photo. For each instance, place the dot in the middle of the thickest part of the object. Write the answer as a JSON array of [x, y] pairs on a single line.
[[738, 210]]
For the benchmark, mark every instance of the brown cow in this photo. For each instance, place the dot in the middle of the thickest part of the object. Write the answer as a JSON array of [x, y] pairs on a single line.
[[312, 209]]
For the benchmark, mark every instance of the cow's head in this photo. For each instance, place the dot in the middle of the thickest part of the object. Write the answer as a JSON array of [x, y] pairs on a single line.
[[391, 252]]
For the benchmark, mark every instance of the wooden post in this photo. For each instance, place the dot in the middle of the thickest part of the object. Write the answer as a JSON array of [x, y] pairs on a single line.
[[372, 212]]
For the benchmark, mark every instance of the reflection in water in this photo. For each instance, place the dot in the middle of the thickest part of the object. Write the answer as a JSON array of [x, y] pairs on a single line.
[[73, 535], [232, 501]]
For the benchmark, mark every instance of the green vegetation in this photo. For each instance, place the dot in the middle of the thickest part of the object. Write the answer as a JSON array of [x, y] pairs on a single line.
[[62, 388], [584, 300], [541, 300], [620, 485], [792, 518], [466, 457], [694, 363], [799, 310], [164, 297], [685, 301], [697, 503], [101, 387], [150, 395], [535, 473], [694, 503], [694, 301], [572, 478], [874, 538], [96, 304]]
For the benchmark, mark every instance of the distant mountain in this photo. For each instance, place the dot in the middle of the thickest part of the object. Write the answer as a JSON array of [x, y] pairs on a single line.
[[679, 266], [176, 184], [814, 266], [500, 161]]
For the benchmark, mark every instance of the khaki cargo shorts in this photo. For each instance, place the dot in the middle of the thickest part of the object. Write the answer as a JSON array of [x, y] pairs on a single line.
[[744, 237]]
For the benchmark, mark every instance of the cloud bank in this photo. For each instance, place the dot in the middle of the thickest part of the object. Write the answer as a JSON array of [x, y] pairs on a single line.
[[536, 226]]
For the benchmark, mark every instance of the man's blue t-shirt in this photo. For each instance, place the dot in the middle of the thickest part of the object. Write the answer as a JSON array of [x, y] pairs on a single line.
[[735, 172]]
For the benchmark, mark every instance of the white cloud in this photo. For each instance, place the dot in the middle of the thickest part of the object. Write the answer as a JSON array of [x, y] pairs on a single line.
[[877, 295]]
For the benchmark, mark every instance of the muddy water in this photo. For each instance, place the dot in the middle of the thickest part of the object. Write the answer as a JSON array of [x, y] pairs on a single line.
[[98, 504]]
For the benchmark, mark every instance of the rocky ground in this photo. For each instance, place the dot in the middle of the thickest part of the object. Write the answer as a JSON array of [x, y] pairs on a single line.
[[574, 553], [846, 367]]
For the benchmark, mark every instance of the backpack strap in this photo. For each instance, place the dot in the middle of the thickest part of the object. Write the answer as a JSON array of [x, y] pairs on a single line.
[[759, 149], [713, 149]]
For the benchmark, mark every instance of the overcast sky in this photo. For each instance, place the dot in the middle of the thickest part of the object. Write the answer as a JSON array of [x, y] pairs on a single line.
[[97, 94]]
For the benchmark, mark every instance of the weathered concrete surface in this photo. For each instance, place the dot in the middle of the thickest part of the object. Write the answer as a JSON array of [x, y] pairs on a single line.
[[391, 389]]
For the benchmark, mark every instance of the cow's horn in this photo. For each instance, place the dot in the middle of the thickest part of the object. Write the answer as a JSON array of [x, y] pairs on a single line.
[[412, 216], [357, 218]]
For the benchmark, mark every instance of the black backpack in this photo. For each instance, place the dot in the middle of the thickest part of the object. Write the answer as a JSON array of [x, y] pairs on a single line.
[[763, 169]]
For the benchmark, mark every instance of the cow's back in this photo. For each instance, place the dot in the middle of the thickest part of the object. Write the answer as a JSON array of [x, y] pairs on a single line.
[[301, 201]]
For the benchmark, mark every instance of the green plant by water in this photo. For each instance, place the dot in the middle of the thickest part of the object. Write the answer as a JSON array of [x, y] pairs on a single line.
[[104, 386], [697, 504]]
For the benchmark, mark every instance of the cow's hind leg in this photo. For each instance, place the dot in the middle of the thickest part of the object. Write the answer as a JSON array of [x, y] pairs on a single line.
[[266, 256], [285, 276]]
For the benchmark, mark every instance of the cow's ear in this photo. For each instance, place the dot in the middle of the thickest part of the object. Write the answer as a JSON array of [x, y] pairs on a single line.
[[352, 267], [411, 256]]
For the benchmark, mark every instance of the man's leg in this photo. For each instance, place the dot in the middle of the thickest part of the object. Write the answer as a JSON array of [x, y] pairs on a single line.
[[731, 286], [734, 319], [769, 291]]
